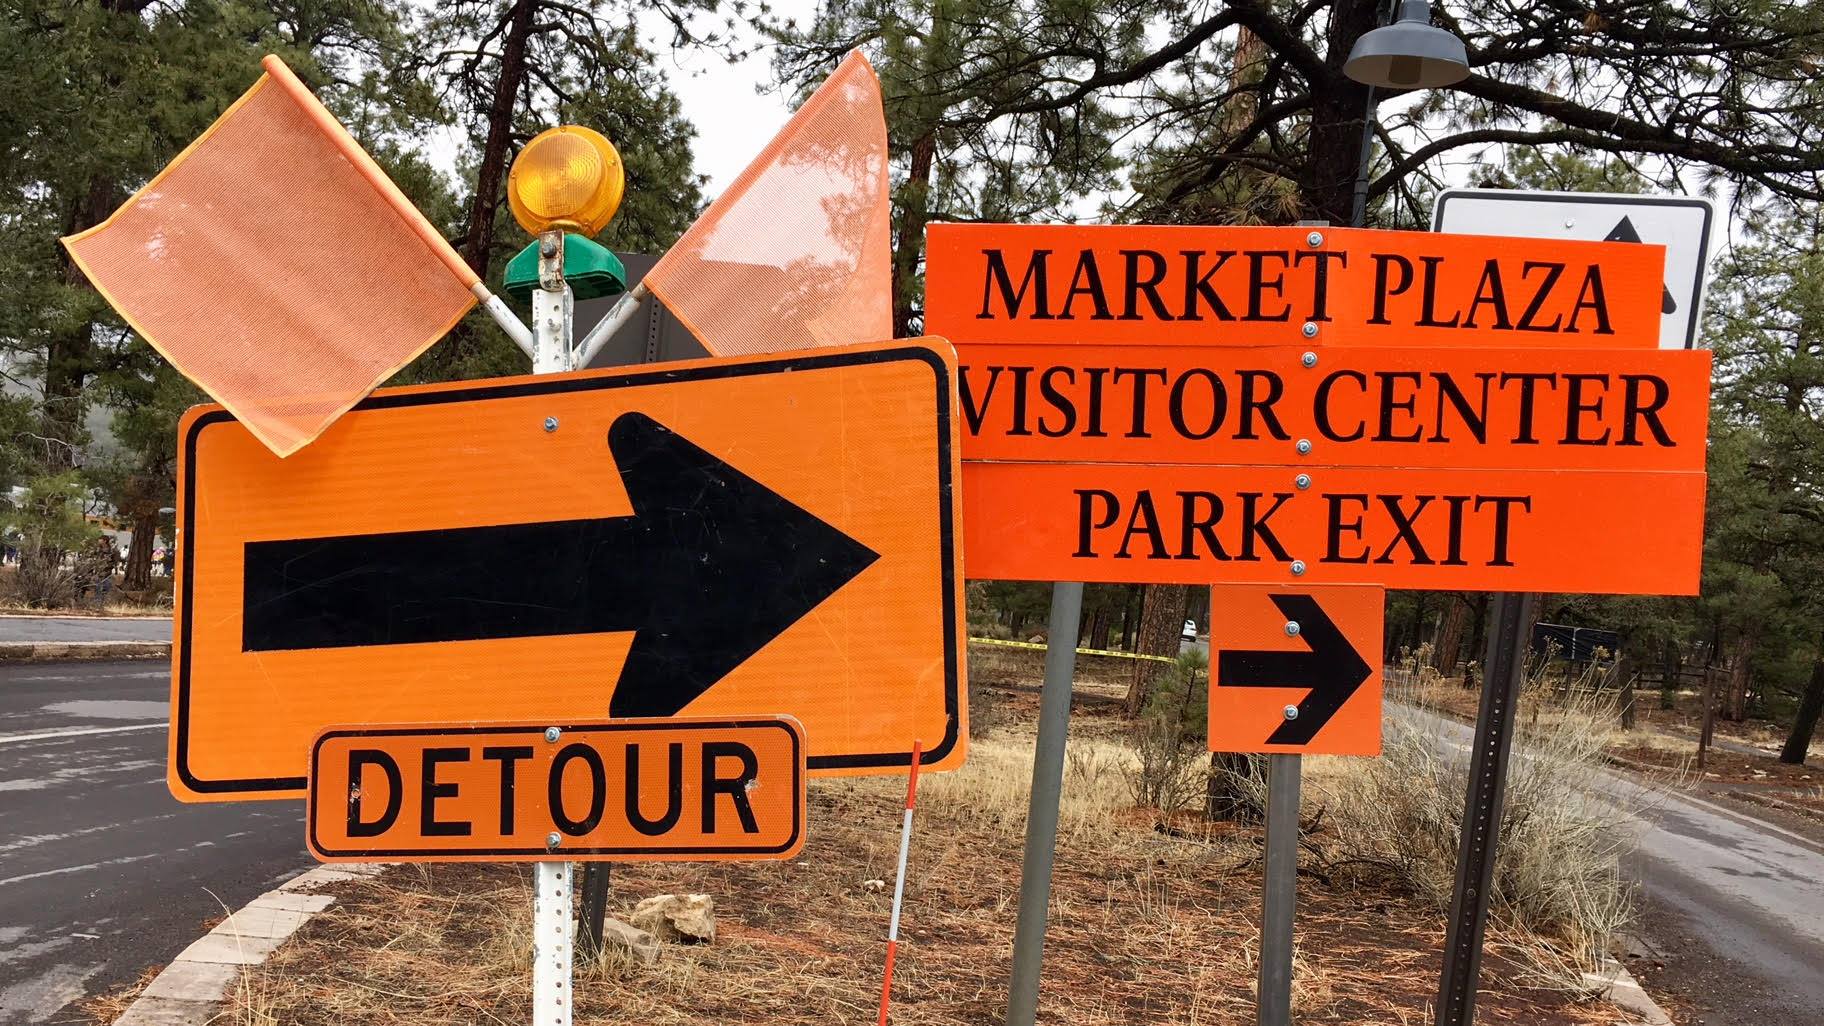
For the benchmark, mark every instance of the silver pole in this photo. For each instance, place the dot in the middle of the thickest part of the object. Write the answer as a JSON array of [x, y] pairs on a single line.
[[553, 950], [1042, 813], [1281, 890]]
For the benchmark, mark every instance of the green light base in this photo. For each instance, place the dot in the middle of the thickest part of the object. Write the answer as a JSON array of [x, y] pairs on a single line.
[[591, 270]]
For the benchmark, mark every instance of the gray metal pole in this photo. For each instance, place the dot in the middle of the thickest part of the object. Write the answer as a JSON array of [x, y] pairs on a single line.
[[1042, 812], [1281, 890], [1512, 618]]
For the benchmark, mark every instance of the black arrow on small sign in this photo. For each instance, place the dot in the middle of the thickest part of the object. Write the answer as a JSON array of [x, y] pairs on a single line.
[[1332, 669], [711, 567], [1624, 232]]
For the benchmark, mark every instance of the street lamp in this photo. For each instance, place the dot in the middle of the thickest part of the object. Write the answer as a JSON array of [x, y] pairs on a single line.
[[1411, 53]]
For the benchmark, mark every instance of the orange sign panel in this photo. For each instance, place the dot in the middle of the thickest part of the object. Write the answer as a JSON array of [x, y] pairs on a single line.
[[1357, 407], [1217, 286], [1296, 670], [1473, 530], [722, 538], [694, 790]]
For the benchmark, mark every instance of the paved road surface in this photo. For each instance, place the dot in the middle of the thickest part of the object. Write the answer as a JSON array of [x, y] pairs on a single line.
[[84, 628], [102, 872], [1751, 892]]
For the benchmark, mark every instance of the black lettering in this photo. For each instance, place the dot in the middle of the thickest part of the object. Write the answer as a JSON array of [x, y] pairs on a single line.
[[974, 413], [1590, 297], [1136, 285], [1389, 383], [1490, 294], [1219, 403], [1096, 374], [1320, 291], [598, 789], [1252, 404], [1086, 281], [1524, 430], [1140, 376], [1552, 273], [734, 787], [1020, 376], [1086, 498], [1454, 547], [1196, 285], [1502, 504], [1011, 301], [1429, 296], [1259, 285], [1059, 402], [1195, 525], [1575, 409], [509, 758], [674, 790], [432, 789], [1335, 526], [1143, 520], [1476, 420], [1634, 412], [1321, 403], [1404, 530], [1382, 261], [358, 761], [1255, 526]]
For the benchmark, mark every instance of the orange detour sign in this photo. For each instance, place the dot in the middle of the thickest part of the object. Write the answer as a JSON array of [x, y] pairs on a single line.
[[682, 789], [1164, 285], [716, 538], [1295, 670]]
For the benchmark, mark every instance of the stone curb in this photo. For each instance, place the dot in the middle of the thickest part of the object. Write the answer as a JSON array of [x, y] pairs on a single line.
[[1619, 988], [39, 651], [190, 991]]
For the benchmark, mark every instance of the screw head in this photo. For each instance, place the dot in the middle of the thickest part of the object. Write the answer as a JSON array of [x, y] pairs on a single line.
[[1303, 481], [550, 423], [1314, 239], [1310, 330], [1309, 359], [1570, 222], [1292, 628], [1291, 712], [1303, 446], [1298, 568], [553, 839], [552, 733]]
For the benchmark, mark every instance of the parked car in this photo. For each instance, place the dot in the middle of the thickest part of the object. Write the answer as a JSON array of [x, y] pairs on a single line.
[[1190, 630]]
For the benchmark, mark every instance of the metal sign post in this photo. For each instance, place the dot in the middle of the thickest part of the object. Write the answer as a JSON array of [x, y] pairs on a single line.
[[553, 947], [1280, 890], [1042, 812], [1513, 617]]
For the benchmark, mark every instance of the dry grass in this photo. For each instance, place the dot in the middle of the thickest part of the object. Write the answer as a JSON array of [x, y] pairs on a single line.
[[1146, 926]]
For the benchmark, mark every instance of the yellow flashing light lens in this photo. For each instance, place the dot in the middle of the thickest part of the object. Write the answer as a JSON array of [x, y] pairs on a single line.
[[567, 178]]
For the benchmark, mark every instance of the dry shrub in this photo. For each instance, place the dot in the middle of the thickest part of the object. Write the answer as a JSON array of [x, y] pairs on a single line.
[[1564, 826], [993, 789]]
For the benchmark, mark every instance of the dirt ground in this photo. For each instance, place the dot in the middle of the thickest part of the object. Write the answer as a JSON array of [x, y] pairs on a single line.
[[1147, 926]]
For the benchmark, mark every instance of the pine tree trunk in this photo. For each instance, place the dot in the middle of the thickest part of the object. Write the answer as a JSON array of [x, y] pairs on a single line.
[[1449, 639], [1161, 622], [1737, 708], [1668, 688], [914, 212], [1226, 796], [478, 242], [139, 554], [1805, 723], [1624, 671]]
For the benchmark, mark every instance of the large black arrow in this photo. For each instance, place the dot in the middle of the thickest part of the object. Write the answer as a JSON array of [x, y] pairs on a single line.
[[1332, 669], [711, 566]]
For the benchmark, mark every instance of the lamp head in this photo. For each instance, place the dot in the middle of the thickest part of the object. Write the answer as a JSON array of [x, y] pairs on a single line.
[[1411, 53]]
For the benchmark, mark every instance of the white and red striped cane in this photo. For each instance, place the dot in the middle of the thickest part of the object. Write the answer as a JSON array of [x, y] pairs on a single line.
[[899, 885]]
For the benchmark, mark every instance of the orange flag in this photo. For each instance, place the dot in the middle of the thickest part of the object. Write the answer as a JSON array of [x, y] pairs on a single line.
[[794, 253], [275, 265]]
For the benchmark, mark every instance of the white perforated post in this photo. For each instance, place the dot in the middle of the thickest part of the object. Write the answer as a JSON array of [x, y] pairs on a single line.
[[551, 945]]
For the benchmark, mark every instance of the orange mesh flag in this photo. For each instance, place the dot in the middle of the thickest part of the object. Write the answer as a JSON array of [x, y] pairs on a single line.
[[794, 254], [275, 265]]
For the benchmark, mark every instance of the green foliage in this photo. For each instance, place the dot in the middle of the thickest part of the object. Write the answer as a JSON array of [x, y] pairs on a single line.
[[1169, 737]]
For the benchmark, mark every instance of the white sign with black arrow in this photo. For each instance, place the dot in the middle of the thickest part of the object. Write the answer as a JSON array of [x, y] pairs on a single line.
[[1682, 224]]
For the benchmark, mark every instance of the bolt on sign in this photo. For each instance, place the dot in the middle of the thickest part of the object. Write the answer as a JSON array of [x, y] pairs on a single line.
[[1158, 285], [680, 789], [1362, 449], [1296, 670], [723, 538]]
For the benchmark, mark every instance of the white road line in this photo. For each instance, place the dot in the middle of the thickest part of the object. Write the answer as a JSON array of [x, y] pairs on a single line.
[[47, 735]]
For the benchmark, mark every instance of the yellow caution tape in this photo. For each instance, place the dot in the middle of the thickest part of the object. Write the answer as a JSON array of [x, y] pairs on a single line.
[[1080, 651]]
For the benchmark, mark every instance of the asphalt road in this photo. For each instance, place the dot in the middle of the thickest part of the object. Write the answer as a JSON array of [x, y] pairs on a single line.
[[102, 872], [1750, 892], [85, 628]]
